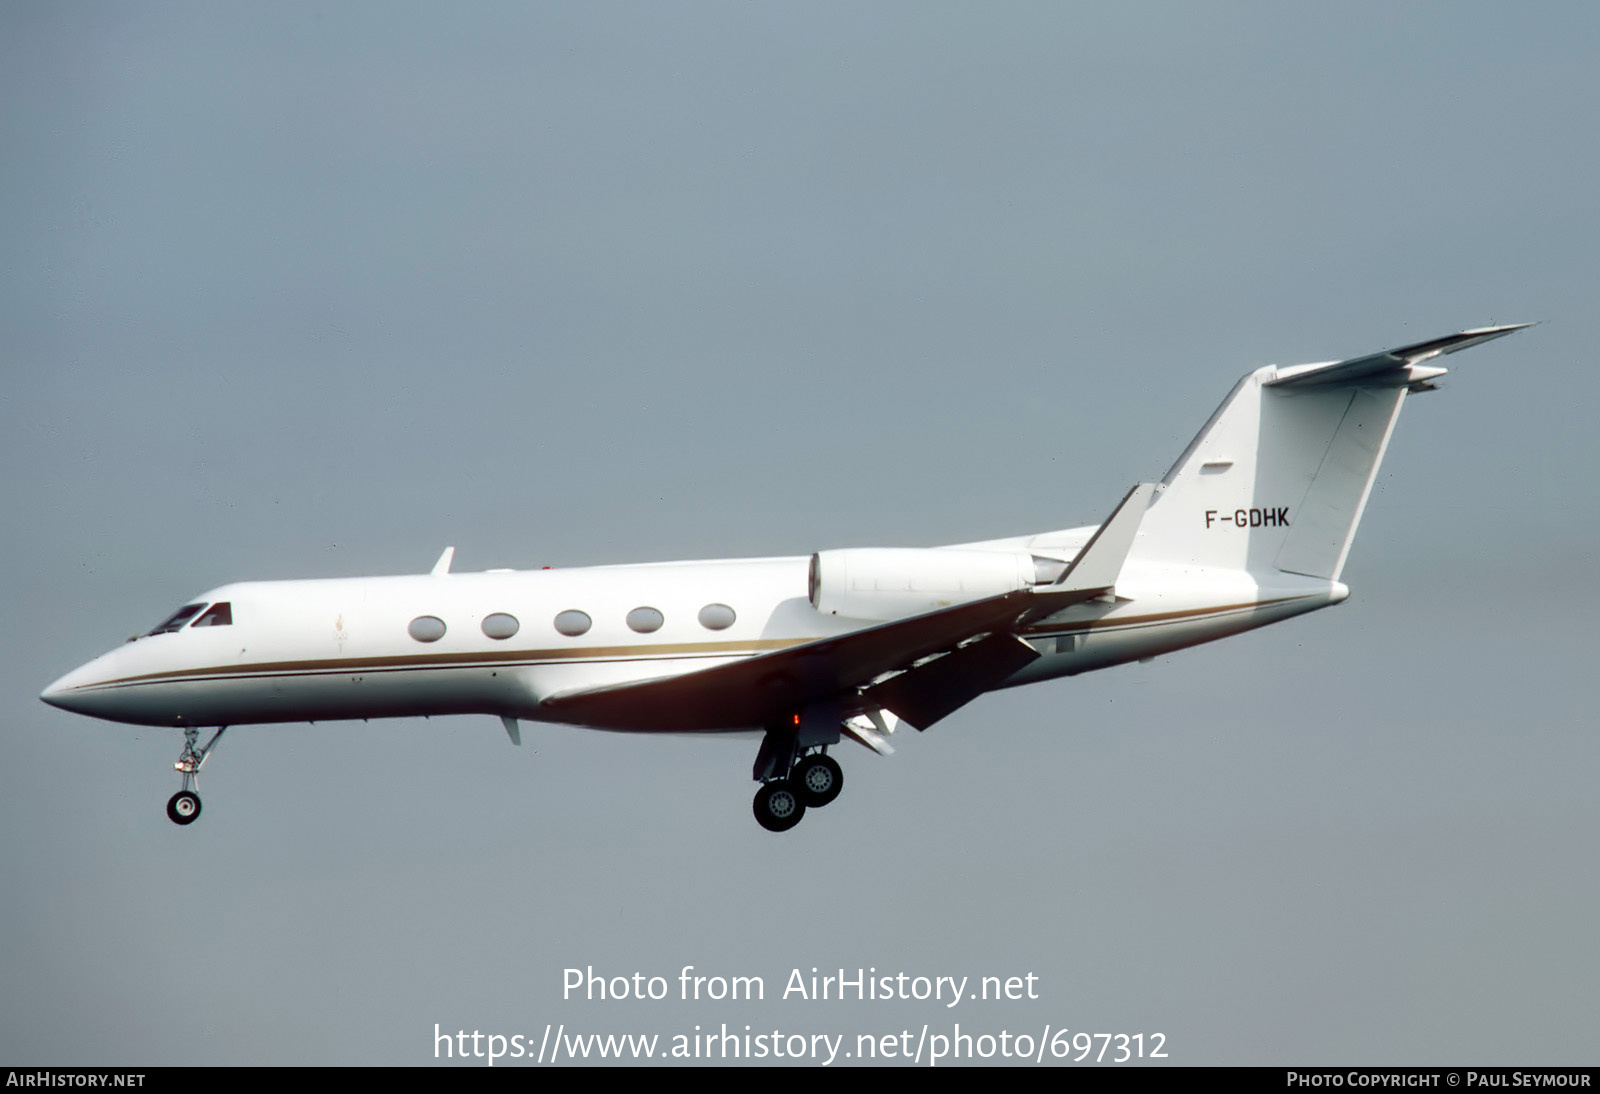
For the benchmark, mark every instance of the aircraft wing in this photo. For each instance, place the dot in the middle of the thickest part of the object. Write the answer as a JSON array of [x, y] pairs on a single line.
[[751, 693]]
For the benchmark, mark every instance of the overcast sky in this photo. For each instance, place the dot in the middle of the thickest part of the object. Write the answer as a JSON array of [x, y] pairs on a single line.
[[311, 290]]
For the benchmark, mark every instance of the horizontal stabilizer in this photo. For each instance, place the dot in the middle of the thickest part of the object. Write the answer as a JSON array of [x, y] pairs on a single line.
[[1389, 365]]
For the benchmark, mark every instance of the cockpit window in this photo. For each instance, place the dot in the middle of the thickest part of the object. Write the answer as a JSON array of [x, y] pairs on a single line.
[[176, 620], [219, 614]]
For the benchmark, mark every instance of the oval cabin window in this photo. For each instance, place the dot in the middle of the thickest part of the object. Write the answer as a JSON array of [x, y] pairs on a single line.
[[573, 623], [426, 628], [645, 620], [717, 617], [500, 625]]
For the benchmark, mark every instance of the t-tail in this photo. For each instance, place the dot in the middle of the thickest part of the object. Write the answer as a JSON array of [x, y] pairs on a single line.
[[1279, 476]]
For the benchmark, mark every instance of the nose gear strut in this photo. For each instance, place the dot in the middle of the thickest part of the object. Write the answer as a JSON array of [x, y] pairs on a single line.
[[184, 806]]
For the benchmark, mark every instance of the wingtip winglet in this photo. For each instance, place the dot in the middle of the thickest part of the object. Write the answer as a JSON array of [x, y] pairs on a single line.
[[1507, 328], [1479, 335], [1100, 562]]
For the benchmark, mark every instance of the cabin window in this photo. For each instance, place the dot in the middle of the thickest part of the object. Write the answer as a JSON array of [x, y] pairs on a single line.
[[500, 625], [717, 617], [177, 619], [218, 615], [426, 628], [573, 623], [645, 620]]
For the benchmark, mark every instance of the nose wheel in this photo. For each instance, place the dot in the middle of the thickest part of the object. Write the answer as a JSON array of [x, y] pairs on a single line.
[[184, 806]]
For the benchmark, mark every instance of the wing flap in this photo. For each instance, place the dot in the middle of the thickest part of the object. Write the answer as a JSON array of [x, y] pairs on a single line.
[[927, 693], [872, 730]]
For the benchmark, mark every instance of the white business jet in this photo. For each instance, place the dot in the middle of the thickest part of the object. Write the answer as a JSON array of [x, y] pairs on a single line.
[[1251, 525]]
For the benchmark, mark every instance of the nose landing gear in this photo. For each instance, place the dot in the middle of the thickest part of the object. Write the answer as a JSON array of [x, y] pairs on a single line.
[[184, 806]]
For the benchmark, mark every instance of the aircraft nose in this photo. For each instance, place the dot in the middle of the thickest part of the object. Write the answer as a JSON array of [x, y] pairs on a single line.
[[68, 693], [110, 687], [59, 694]]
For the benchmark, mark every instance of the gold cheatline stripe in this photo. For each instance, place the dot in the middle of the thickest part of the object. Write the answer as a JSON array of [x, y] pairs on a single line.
[[446, 660], [604, 653], [1156, 617]]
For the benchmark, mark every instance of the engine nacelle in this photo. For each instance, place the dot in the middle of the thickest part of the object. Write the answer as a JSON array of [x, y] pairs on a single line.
[[885, 583]]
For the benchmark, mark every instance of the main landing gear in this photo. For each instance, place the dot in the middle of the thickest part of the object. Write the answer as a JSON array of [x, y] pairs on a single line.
[[813, 782], [184, 806], [796, 773]]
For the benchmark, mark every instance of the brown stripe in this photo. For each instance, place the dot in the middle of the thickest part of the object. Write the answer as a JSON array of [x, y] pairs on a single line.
[[466, 660], [605, 653], [1120, 621]]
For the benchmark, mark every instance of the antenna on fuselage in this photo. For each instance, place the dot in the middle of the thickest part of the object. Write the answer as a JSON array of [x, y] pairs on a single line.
[[513, 730], [443, 565]]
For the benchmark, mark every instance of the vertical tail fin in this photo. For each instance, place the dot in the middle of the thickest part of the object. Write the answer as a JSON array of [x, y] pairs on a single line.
[[1278, 478]]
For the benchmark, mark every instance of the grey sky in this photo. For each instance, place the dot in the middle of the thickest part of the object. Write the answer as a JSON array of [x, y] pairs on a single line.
[[315, 290]]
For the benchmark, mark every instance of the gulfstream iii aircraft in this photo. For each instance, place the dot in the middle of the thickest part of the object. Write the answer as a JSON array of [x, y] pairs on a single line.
[[1252, 525]]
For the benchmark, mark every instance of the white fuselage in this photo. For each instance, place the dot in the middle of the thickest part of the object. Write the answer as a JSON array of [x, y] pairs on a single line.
[[344, 648]]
